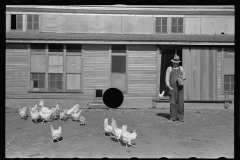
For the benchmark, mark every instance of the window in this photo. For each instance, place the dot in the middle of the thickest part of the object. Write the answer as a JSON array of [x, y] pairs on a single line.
[[37, 81], [161, 25], [16, 22], [48, 71], [118, 67], [177, 25], [32, 22], [229, 84], [55, 81]]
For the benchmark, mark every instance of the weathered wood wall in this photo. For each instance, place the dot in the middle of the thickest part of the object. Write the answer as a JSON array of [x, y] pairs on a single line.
[[142, 70], [96, 68], [203, 67], [131, 24]]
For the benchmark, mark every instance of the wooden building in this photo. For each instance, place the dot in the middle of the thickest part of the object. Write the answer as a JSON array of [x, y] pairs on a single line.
[[69, 52]]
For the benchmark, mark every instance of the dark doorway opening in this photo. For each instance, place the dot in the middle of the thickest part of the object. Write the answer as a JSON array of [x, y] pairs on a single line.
[[167, 55]]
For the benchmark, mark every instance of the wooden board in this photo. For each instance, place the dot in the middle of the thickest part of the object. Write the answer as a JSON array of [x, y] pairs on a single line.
[[193, 26], [118, 80], [137, 25], [49, 23], [73, 82], [73, 64], [38, 63]]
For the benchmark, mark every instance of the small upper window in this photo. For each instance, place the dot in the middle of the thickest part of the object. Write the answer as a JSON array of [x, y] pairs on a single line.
[[177, 25], [73, 48], [16, 22], [118, 48], [161, 25], [55, 47], [32, 22]]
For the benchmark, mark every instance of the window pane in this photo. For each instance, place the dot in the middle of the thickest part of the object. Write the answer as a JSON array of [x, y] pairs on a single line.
[[13, 21], [59, 84], [232, 87], [232, 79], [52, 84], [16, 46], [118, 48], [34, 76], [59, 77], [19, 18], [164, 29], [73, 48], [227, 79], [19, 26], [174, 21], [35, 84], [29, 26], [158, 21], [180, 21], [41, 77], [118, 64], [36, 18], [227, 87], [158, 29], [29, 18], [35, 26], [52, 77], [174, 29], [55, 47], [41, 84], [164, 21], [180, 29], [38, 46]]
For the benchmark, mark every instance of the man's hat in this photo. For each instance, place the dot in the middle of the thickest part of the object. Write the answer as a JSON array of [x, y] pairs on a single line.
[[176, 59]]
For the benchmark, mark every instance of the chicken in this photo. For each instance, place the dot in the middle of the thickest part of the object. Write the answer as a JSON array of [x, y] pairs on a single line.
[[161, 95], [127, 137], [35, 115], [23, 112], [35, 108], [75, 116], [56, 133], [55, 111], [116, 131], [46, 116], [107, 128], [63, 114], [43, 108], [71, 110]]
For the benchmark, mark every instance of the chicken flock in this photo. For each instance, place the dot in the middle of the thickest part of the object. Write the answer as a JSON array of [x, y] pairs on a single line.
[[40, 113]]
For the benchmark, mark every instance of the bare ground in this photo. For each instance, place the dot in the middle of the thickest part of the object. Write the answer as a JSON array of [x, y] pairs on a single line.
[[206, 133]]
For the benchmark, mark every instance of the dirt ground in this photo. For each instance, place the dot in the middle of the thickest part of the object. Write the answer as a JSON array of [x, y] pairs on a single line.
[[206, 133]]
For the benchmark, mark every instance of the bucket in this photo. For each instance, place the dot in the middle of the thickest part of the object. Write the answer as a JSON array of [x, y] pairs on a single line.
[[180, 81]]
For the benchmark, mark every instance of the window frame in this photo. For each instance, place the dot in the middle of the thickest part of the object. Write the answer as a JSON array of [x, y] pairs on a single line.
[[47, 77], [10, 21], [126, 67], [32, 23], [155, 25], [170, 25], [228, 92]]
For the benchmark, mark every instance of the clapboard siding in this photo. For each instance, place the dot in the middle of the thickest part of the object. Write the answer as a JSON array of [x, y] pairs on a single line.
[[49, 23], [96, 69], [193, 26], [219, 73], [142, 71]]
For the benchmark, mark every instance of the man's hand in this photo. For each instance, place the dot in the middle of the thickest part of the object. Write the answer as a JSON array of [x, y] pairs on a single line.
[[170, 88]]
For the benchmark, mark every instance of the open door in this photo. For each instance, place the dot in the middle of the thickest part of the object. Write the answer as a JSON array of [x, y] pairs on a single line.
[[167, 55]]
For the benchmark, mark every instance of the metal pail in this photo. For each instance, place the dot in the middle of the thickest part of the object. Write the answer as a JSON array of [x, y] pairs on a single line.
[[180, 81]]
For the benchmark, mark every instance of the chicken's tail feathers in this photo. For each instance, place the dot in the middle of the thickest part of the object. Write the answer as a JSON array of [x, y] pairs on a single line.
[[51, 127], [105, 121], [124, 127]]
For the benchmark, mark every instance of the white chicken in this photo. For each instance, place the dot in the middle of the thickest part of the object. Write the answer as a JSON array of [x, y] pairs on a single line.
[[35, 115], [55, 111], [71, 110], [107, 128], [23, 112], [127, 137], [63, 114], [56, 133], [46, 116], [161, 95], [35, 108], [116, 131], [43, 108], [75, 116]]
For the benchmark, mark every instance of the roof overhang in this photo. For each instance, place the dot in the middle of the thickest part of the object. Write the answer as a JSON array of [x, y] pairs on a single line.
[[106, 38]]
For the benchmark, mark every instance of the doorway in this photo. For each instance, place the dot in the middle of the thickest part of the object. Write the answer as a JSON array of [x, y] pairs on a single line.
[[167, 55]]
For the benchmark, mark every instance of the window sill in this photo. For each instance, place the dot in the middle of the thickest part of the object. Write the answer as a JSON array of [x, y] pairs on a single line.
[[55, 91]]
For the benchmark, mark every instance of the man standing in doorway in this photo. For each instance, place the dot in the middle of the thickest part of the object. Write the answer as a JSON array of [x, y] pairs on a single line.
[[176, 89]]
